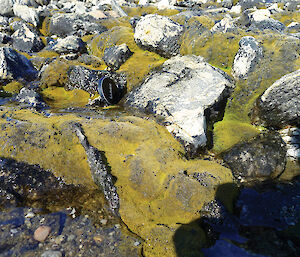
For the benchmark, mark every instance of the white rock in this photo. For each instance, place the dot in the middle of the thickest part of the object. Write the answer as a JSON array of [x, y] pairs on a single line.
[[6, 7], [248, 55], [225, 25], [26, 13], [260, 15], [181, 92], [237, 9]]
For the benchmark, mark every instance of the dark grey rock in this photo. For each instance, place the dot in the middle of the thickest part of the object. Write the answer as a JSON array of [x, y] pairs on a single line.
[[115, 56], [30, 97], [100, 169], [14, 66], [183, 92], [158, 34], [72, 24], [247, 57], [70, 44], [5, 38], [279, 105], [270, 24], [26, 40], [263, 157], [80, 77]]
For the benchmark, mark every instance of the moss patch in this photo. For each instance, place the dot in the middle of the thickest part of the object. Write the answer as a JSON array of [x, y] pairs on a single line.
[[13, 87]]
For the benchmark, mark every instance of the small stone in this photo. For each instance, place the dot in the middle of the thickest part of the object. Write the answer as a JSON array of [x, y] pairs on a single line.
[[71, 238], [103, 221], [137, 243], [29, 215], [115, 56], [60, 239], [14, 231], [41, 233], [52, 254]]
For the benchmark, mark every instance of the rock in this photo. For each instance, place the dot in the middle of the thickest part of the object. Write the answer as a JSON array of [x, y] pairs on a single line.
[[225, 25], [247, 57], [279, 104], [260, 20], [70, 44], [236, 9], [4, 38], [51, 253], [73, 24], [6, 7], [26, 41], [41, 233], [227, 3], [158, 34], [291, 136], [80, 77], [260, 15], [30, 97], [115, 56], [182, 92], [27, 14], [15, 66], [263, 157]]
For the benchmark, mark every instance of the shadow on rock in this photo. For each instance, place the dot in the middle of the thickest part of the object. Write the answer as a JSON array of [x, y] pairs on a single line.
[[262, 221]]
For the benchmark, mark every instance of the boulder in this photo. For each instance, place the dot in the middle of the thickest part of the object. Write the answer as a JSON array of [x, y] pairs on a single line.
[[15, 66], [70, 44], [26, 40], [6, 7], [27, 14], [67, 24], [264, 157], [247, 57], [182, 92], [279, 104], [115, 56], [158, 34], [291, 136], [30, 97]]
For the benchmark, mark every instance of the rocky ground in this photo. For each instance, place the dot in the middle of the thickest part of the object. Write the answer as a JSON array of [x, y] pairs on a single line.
[[149, 128]]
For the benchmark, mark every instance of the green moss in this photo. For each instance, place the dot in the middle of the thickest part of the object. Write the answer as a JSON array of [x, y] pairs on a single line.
[[45, 27], [218, 49], [138, 11], [138, 65], [13, 87], [287, 17], [230, 132], [58, 97], [47, 54]]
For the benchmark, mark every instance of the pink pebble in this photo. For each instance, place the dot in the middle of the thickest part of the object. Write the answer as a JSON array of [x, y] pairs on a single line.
[[41, 233]]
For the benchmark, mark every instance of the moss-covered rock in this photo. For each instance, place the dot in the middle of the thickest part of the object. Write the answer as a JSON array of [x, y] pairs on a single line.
[[158, 189]]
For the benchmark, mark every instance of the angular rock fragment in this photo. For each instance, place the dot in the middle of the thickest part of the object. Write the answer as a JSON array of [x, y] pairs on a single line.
[[26, 40], [279, 105], [182, 93], [14, 65], [247, 57], [73, 24], [225, 25], [115, 56], [100, 170], [158, 34], [30, 97], [27, 14], [6, 7], [70, 44], [262, 158]]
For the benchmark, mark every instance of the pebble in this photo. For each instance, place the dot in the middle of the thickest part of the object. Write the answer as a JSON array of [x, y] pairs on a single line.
[[41, 233], [103, 221], [52, 254], [29, 215]]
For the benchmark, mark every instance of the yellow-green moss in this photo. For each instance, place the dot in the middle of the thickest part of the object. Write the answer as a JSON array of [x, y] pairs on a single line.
[[13, 87], [45, 27], [229, 132], [287, 17], [58, 97], [138, 65], [47, 54], [218, 49]]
